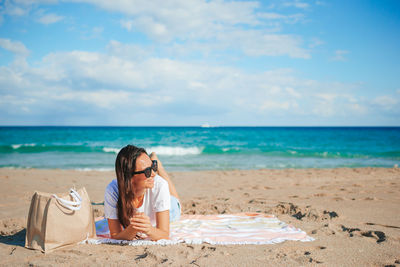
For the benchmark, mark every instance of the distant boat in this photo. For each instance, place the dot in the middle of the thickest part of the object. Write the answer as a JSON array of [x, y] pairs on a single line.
[[205, 125]]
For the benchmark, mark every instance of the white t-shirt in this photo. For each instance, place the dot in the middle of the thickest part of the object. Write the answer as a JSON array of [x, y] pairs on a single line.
[[156, 199]]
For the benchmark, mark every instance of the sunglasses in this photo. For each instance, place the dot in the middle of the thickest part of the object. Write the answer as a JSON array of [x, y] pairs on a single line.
[[147, 171]]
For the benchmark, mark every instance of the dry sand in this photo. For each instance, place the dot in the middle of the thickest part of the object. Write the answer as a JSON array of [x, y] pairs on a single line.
[[366, 231]]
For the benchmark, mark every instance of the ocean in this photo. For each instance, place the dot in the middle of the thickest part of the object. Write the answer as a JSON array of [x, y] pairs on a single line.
[[202, 148]]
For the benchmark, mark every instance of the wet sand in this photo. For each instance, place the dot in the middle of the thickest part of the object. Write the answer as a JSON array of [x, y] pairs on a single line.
[[354, 215]]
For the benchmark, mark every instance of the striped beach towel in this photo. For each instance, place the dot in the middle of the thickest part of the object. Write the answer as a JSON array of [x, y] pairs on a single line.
[[224, 229]]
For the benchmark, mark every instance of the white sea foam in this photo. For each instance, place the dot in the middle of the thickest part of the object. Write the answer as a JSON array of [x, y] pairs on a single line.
[[175, 150], [226, 149], [111, 150], [19, 145]]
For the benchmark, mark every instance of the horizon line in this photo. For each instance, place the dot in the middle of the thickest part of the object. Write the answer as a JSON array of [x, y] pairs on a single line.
[[205, 127]]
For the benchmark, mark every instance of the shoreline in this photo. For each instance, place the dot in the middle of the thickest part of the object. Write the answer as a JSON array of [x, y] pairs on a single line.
[[395, 166], [366, 201]]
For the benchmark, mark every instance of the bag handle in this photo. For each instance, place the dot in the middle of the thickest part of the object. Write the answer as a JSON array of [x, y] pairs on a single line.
[[72, 205]]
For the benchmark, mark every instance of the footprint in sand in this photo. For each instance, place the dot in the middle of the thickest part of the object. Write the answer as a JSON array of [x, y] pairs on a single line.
[[378, 235], [371, 198], [384, 225], [339, 198], [257, 201], [323, 187]]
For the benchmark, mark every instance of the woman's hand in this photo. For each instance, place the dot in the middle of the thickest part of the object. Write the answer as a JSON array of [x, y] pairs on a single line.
[[141, 223]]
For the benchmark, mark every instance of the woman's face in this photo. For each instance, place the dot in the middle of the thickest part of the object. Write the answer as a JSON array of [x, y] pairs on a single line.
[[139, 180]]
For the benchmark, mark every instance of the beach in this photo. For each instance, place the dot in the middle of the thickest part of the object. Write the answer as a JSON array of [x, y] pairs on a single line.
[[352, 213]]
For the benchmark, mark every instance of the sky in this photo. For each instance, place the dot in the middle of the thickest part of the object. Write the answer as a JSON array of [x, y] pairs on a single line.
[[189, 63]]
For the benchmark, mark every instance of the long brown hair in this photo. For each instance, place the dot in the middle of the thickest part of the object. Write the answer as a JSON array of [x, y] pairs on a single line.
[[125, 165]]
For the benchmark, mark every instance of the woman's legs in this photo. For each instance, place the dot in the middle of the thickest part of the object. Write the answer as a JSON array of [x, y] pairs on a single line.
[[175, 210]]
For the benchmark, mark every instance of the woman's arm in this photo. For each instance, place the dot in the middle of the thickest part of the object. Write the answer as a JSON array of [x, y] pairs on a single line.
[[117, 231], [161, 171], [141, 223]]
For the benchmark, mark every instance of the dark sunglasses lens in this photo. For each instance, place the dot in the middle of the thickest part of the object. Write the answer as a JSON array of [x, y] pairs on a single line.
[[154, 166], [147, 172]]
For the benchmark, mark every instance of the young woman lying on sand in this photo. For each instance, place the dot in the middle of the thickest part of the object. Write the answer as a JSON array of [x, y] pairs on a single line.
[[143, 199]]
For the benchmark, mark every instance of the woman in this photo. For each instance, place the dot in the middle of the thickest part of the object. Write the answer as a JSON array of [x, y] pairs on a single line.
[[143, 199]]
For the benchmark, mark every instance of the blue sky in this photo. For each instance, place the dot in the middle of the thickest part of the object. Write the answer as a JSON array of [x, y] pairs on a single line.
[[268, 63]]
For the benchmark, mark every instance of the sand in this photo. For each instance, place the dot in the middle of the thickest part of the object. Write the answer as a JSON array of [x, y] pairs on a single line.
[[353, 214]]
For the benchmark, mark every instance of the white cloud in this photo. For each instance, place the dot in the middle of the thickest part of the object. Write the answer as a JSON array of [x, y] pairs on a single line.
[[327, 97], [31, 2], [293, 92], [276, 105], [200, 25], [358, 108], [257, 43], [127, 24], [105, 86], [14, 10], [21, 7], [252, 43], [338, 103], [188, 13], [293, 18], [386, 102], [15, 47], [180, 19], [210, 25], [107, 99], [297, 4], [274, 89], [129, 51], [92, 33], [315, 42], [50, 19], [340, 55]]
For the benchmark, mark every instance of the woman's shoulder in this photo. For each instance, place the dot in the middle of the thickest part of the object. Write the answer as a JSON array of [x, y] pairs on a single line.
[[113, 184], [112, 189], [160, 185], [159, 182]]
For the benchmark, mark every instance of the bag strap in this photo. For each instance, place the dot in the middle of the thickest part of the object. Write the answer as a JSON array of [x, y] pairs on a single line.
[[72, 205]]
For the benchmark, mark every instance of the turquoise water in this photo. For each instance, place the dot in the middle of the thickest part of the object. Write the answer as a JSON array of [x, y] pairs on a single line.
[[196, 148]]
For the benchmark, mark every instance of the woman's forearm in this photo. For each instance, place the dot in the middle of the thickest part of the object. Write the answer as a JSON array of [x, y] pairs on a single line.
[[127, 234], [157, 234]]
